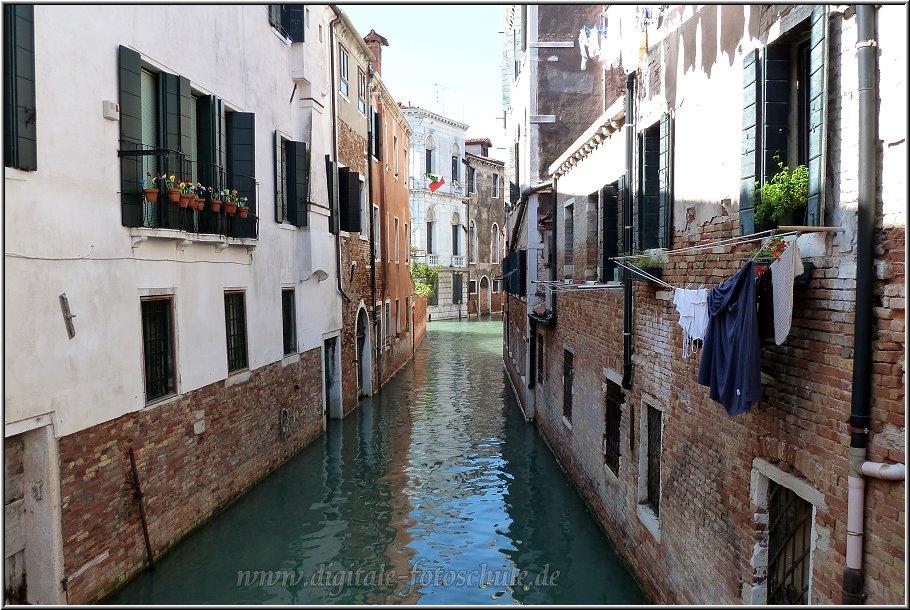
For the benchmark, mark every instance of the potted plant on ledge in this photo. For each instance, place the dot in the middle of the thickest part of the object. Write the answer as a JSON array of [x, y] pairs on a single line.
[[242, 208], [652, 264], [230, 202], [150, 187], [216, 201], [186, 194], [780, 199], [173, 193]]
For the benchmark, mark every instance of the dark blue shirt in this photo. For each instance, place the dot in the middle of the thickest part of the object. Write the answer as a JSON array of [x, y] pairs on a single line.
[[731, 358]]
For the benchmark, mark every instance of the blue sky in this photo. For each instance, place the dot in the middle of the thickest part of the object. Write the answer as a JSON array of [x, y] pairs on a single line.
[[445, 58]]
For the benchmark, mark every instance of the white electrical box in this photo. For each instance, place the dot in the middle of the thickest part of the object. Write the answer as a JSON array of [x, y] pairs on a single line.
[[111, 110]]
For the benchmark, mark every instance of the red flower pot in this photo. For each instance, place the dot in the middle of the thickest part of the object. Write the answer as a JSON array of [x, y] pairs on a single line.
[[200, 203], [216, 205], [244, 211], [230, 208], [151, 195], [173, 195], [185, 199]]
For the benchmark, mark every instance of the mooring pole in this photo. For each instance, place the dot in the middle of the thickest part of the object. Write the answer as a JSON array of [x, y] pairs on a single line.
[[138, 495]]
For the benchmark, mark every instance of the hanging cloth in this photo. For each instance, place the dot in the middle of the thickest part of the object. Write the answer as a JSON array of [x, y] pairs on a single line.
[[783, 270], [764, 298], [583, 47], [692, 306], [731, 358], [594, 44]]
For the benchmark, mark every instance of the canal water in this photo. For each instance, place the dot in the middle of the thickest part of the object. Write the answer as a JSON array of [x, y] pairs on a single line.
[[435, 491]]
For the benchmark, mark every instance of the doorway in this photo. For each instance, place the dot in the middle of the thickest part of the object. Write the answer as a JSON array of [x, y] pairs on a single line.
[[364, 362], [484, 296], [331, 366]]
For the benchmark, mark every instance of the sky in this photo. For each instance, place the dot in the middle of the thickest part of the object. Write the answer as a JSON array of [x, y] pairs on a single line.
[[445, 58]]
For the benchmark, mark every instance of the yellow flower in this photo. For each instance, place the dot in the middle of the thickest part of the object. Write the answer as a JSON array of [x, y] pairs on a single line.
[[172, 177]]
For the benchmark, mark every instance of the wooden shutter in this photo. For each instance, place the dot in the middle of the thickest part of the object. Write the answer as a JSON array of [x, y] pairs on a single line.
[[377, 135], [169, 111], [775, 107], [296, 179], [292, 20], [749, 169], [818, 112], [241, 128], [282, 179], [130, 84], [610, 231], [208, 143], [648, 221], [331, 179], [665, 212], [20, 141], [185, 103], [349, 199]]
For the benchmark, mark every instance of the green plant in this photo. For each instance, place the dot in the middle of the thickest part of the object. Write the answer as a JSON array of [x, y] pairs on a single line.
[[774, 247], [786, 190], [424, 277], [647, 261], [216, 195], [241, 202], [150, 181], [169, 181]]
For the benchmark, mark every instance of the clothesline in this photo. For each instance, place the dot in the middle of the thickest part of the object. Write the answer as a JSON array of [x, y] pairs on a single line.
[[723, 242]]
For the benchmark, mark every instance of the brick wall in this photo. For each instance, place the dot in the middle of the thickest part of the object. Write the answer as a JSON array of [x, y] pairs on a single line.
[[187, 474]]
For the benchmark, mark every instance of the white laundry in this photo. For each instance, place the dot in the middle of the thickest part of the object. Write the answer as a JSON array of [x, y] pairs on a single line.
[[783, 270], [692, 306], [594, 44], [583, 47]]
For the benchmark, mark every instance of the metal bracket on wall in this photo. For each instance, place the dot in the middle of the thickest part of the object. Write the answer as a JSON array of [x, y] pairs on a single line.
[[67, 316]]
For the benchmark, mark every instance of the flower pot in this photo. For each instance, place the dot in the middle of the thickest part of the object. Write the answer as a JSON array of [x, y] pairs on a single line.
[[184, 200], [173, 195], [230, 208], [656, 272], [244, 211], [151, 195], [200, 203], [215, 205]]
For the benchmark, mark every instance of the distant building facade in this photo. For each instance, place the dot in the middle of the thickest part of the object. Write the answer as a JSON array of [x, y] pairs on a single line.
[[486, 235]]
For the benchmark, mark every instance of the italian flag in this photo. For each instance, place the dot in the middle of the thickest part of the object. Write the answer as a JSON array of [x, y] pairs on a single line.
[[435, 181]]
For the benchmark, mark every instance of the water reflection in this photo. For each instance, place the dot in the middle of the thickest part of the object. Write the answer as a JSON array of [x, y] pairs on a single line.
[[436, 491]]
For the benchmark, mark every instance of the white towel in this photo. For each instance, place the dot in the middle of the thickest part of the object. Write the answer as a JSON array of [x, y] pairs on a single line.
[[783, 270], [692, 306], [583, 47]]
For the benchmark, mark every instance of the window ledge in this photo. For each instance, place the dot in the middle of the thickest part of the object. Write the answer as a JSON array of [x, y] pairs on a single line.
[[238, 377], [184, 239], [599, 285], [162, 401], [649, 520], [566, 422], [290, 359], [287, 226]]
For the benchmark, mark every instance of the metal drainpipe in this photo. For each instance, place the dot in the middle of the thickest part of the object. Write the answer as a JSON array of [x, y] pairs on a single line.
[[627, 235], [866, 50], [369, 205], [553, 256], [387, 264], [344, 295]]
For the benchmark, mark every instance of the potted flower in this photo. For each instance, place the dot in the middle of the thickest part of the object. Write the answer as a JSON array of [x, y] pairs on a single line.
[[652, 264], [216, 201], [230, 202], [186, 193], [173, 193], [242, 207], [150, 187], [781, 197], [199, 196]]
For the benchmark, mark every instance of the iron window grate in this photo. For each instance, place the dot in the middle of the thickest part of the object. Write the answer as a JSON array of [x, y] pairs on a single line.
[[158, 348], [789, 546], [288, 320], [567, 380], [613, 418], [235, 324], [655, 418]]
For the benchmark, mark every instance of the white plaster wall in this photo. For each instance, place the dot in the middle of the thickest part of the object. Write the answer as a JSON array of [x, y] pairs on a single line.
[[604, 165], [64, 230]]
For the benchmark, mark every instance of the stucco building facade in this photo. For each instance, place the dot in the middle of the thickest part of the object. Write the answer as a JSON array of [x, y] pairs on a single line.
[[486, 235]]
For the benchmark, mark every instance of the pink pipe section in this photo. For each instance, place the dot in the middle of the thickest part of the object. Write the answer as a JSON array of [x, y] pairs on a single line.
[[889, 472], [855, 501]]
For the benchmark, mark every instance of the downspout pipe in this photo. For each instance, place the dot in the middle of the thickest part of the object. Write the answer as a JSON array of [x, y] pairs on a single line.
[[866, 51], [627, 235], [553, 220], [332, 210], [522, 206]]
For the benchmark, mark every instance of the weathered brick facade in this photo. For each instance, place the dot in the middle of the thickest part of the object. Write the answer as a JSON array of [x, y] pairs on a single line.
[[194, 456], [486, 217]]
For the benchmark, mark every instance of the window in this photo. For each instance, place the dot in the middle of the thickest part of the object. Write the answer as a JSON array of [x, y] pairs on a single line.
[[785, 114], [397, 317], [407, 243], [376, 232], [540, 349], [429, 154], [789, 546], [654, 439], [397, 243], [496, 286], [613, 418], [361, 91], [472, 242], [457, 289], [288, 20], [456, 234], [235, 327], [388, 239], [612, 229], [388, 324], [289, 321], [430, 219], [472, 180], [568, 373], [494, 245], [407, 314], [364, 221], [376, 142], [158, 347], [281, 162], [343, 59], [495, 186], [472, 287], [19, 113], [456, 163], [655, 203], [569, 241], [395, 154]]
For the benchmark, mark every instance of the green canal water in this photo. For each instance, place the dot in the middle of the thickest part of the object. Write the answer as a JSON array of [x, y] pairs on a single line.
[[435, 491]]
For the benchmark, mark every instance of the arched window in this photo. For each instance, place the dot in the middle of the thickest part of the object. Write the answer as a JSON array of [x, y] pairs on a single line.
[[494, 246], [430, 146], [430, 220], [472, 241], [456, 163], [456, 234]]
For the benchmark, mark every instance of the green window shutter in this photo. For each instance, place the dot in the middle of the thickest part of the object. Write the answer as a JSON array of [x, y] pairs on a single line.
[[665, 235], [349, 199], [610, 230], [185, 102], [194, 140], [331, 180], [241, 129], [169, 112], [297, 180], [775, 107], [818, 112], [377, 135], [131, 175], [649, 188], [20, 140], [281, 176], [292, 20], [207, 141], [750, 158]]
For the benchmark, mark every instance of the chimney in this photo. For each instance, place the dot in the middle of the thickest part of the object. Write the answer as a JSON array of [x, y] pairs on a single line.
[[376, 42]]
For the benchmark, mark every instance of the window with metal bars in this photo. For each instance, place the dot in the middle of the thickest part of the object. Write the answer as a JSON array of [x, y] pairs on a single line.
[[568, 374], [158, 348], [235, 326], [613, 418], [789, 546], [655, 421], [540, 353], [289, 321]]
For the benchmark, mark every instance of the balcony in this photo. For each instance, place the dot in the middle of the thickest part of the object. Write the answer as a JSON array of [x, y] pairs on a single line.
[[432, 259], [458, 260]]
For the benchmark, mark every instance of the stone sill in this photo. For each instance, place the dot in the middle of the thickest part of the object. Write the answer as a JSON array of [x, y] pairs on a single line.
[[184, 239], [650, 521]]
